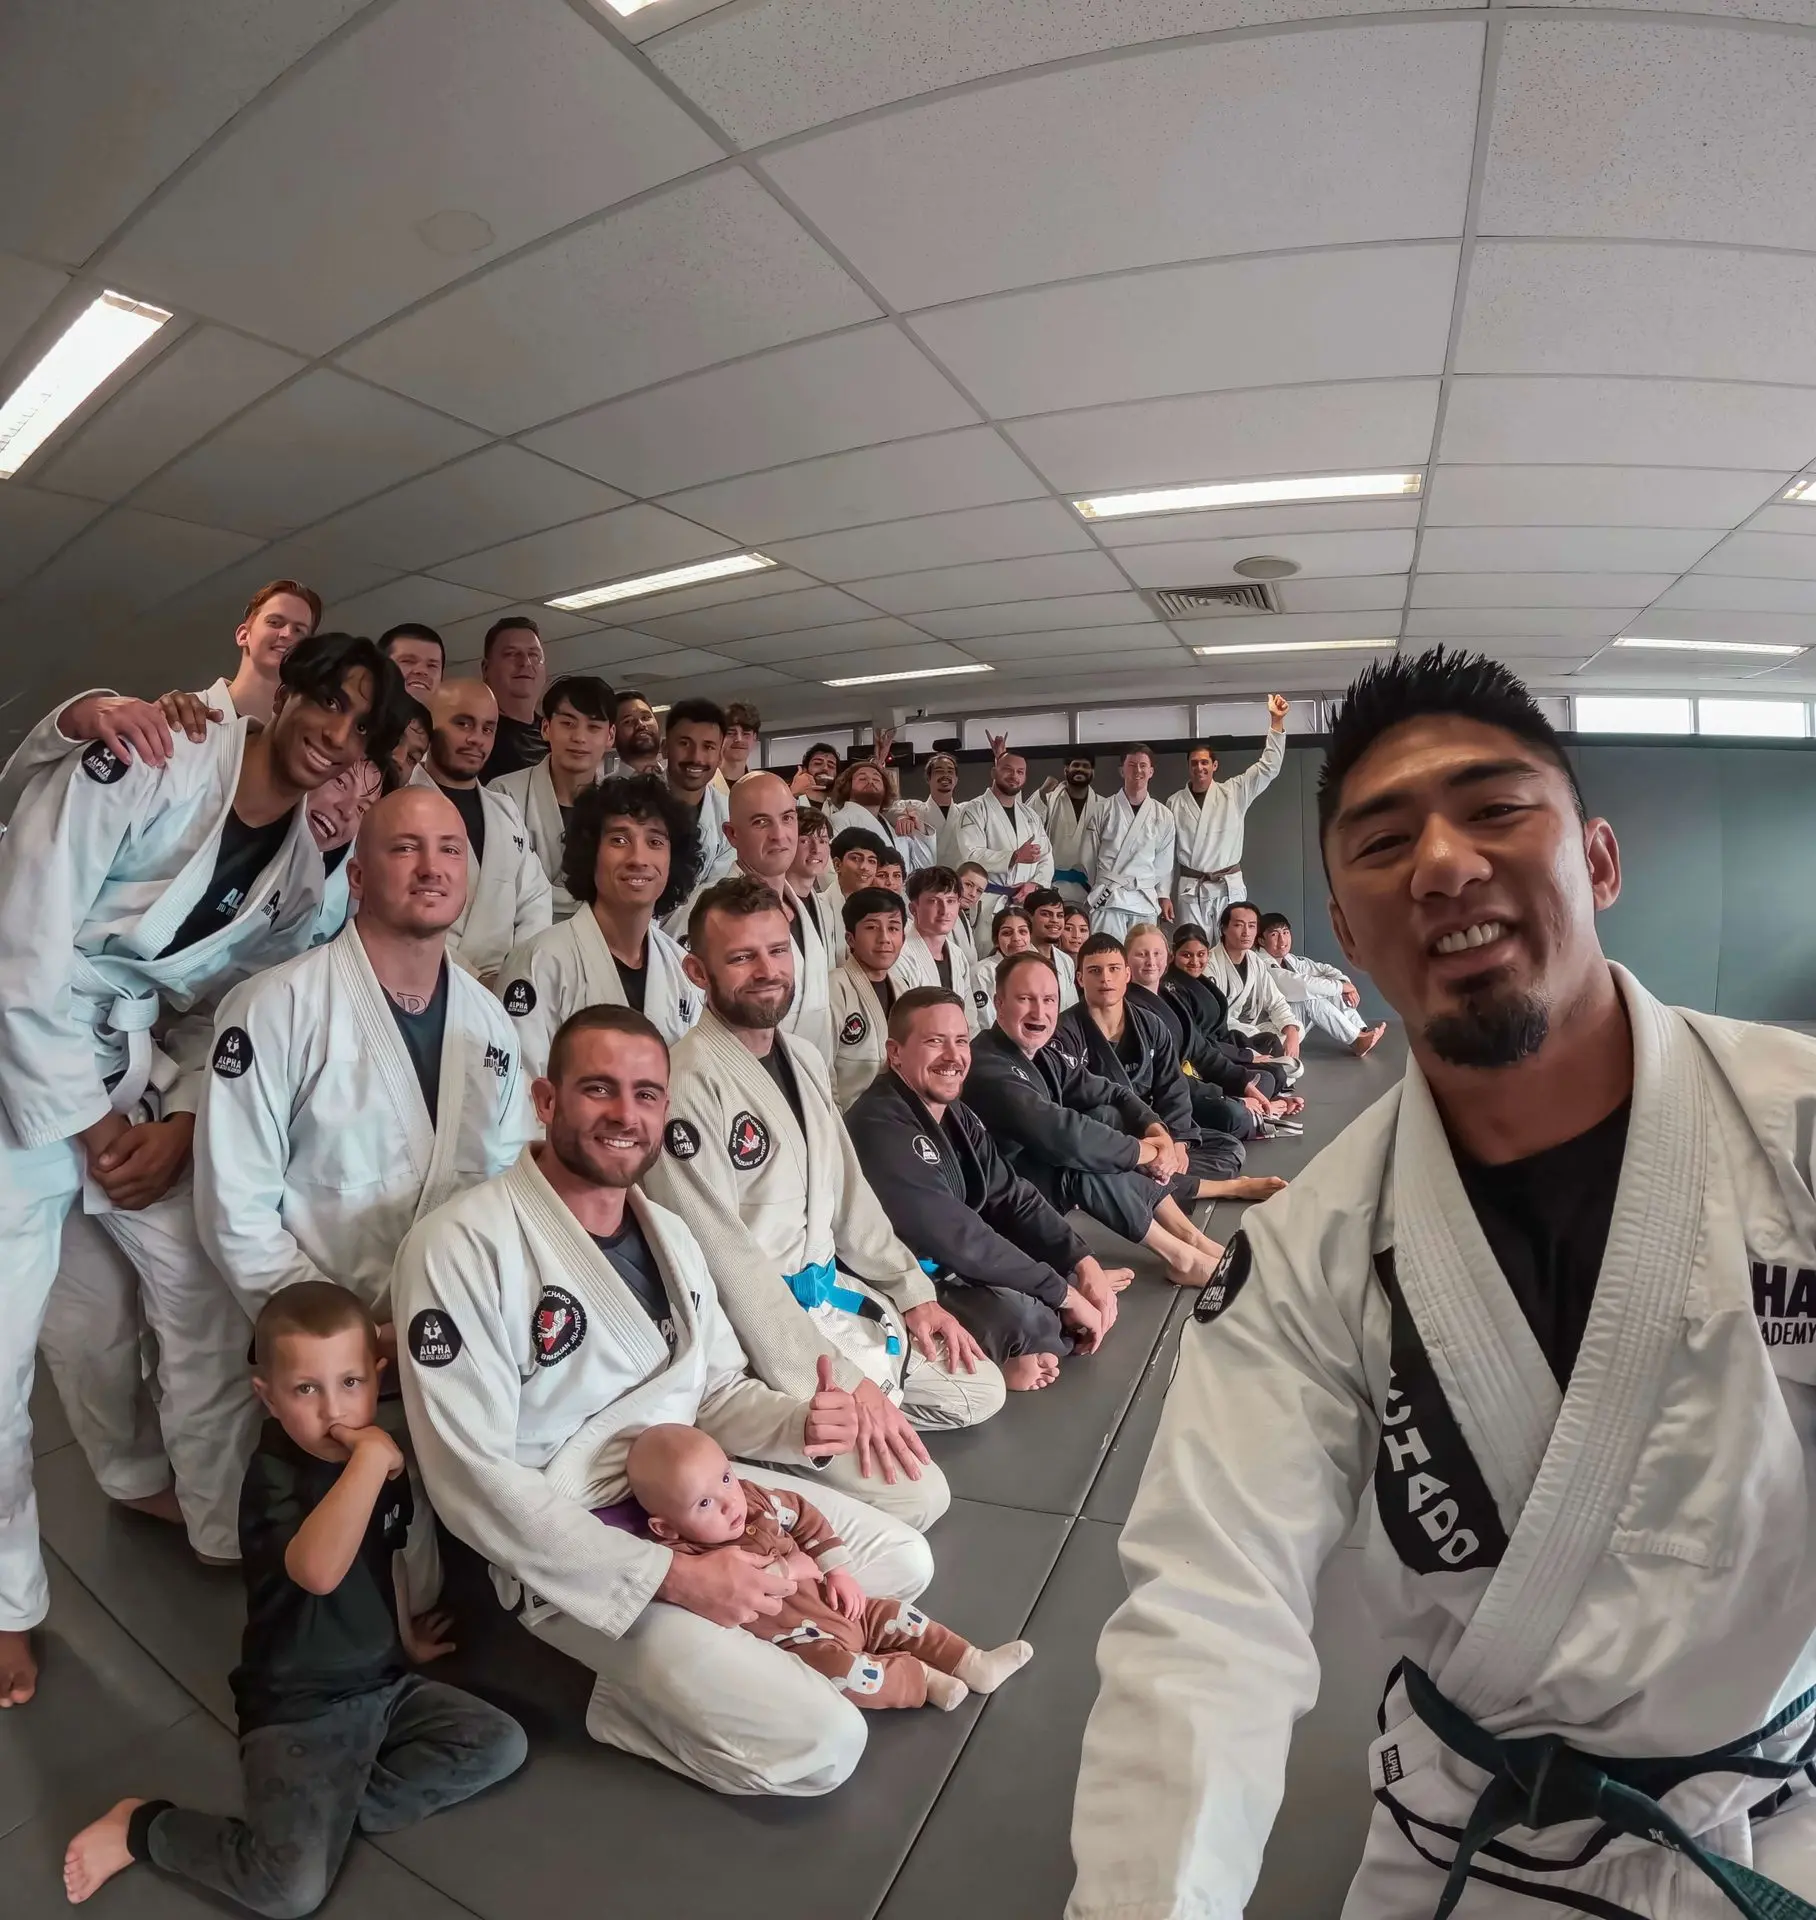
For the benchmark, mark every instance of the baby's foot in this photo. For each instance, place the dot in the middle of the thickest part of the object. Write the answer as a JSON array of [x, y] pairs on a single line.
[[944, 1690], [984, 1671]]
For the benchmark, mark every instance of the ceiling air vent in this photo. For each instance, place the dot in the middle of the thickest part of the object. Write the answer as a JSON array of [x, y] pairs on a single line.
[[1208, 603]]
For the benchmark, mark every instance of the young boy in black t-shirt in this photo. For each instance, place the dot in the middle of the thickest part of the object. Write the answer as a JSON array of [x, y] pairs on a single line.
[[335, 1731]]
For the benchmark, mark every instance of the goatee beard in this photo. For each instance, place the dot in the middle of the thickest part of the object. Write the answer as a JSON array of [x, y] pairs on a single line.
[[1490, 1031], [753, 1019]]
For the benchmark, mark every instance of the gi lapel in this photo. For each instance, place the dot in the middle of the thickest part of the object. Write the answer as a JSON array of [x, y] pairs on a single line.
[[159, 926], [462, 1062], [1558, 1473], [350, 975], [750, 1086], [544, 812], [598, 969]]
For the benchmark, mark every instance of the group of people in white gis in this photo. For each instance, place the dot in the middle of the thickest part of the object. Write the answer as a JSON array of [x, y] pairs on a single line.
[[682, 1176]]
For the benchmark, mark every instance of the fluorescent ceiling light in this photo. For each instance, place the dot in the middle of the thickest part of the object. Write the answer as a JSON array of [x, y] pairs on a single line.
[[1292, 646], [724, 568], [1253, 493], [917, 673], [1767, 647], [100, 340], [1803, 490], [626, 6]]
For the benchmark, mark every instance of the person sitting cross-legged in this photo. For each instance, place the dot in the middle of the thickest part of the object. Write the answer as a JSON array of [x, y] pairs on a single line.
[[1325, 994]]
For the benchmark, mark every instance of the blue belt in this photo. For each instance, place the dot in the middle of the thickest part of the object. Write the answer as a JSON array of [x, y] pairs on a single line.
[[818, 1286], [998, 886], [1544, 1782], [1073, 876]]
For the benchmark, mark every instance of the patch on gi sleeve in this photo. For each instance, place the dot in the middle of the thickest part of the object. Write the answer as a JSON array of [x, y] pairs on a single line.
[[927, 1150], [519, 998], [748, 1143], [1221, 1289], [233, 1053], [854, 1029], [434, 1339], [102, 764], [681, 1138]]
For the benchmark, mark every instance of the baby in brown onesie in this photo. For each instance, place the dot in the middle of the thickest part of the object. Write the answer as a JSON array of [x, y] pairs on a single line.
[[883, 1653]]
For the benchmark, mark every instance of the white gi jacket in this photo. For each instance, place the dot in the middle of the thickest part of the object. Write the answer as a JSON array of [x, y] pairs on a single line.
[[337, 903], [568, 966], [533, 793], [1131, 857], [766, 1202], [931, 846], [99, 869], [854, 814], [808, 1013], [982, 830], [1630, 1565], [1210, 835], [1298, 977], [860, 1029], [917, 967], [1073, 836], [508, 896], [717, 856], [1256, 1005], [314, 1153], [528, 1366]]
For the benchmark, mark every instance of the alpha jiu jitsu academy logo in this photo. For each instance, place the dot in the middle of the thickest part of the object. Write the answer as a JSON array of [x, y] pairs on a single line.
[[748, 1143]]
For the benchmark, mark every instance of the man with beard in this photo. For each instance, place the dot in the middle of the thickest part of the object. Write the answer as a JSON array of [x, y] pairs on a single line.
[[577, 727], [1553, 1294], [1074, 815], [507, 892], [548, 1317], [513, 666], [758, 1164], [924, 830], [419, 653], [1008, 1265], [696, 733], [1003, 834], [1082, 1140], [859, 796], [1210, 815], [815, 776], [765, 829], [631, 854], [129, 895], [637, 733], [1131, 852]]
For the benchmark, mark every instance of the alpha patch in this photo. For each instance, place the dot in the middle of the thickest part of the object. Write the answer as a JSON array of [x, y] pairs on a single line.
[[519, 998], [1221, 1289], [981, 997], [927, 1150], [498, 1060], [434, 1339], [748, 1142], [102, 764], [557, 1326], [681, 1138], [854, 1029], [233, 1053], [1435, 1506]]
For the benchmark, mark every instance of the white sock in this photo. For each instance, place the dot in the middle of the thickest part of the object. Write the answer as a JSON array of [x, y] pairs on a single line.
[[944, 1690], [984, 1671]]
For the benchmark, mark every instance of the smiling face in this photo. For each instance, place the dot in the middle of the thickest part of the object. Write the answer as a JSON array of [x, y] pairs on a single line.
[[1137, 773], [409, 870], [604, 1117], [337, 808], [942, 778], [1464, 882], [694, 747], [631, 867], [269, 634], [1147, 958], [746, 964], [1192, 957], [420, 663], [934, 1055], [311, 742], [1078, 930], [1277, 941], [578, 743], [822, 769], [1049, 922], [465, 715], [813, 854], [1011, 934], [857, 870], [876, 943], [1027, 1005], [1200, 769]]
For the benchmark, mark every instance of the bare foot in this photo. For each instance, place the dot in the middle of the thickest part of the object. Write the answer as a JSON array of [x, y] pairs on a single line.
[[1248, 1186], [161, 1505], [97, 1853], [1367, 1040], [1029, 1372], [1193, 1273], [18, 1670]]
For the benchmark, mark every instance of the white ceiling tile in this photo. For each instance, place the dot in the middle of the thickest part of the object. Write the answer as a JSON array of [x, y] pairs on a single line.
[[120, 95], [1094, 643], [466, 637], [747, 619], [1361, 426], [969, 468], [714, 593], [819, 396], [854, 636], [1696, 313], [669, 663], [1259, 524], [33, 526], [441, 134], [903, 658], [204, 379], [415, 597], [1767, 556], [1647, 129], [1031, 616], [1792, 517], [1538, 589], [782, 65], [1355, 314], [333, 575], [937, 540], [587, 553], [1690, 623], [1564, 549], [1309, 138], [127, 561], [313, 446], [1731, 593], [1646, 423], [1594, 496], [1371, 593], [26, 288], [479, 502], [1481, 629], [1240, 629], [698, 274], [1193, 563], [738, 685], [1043, 578]]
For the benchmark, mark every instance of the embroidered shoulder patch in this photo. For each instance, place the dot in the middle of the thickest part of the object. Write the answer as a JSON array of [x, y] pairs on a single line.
[[519, 998], [434, 1339], [681, 1138], [557, 1326], [1221, 1289], [927, 1150], [748, 1142], [102, 764], [233, 1053], [854, 1029]]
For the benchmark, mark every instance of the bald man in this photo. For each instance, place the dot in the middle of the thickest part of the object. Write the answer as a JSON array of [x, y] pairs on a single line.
[[507, 893], [763, 828]]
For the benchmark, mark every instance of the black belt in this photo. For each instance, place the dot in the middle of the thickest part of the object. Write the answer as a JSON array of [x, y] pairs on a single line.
[[1544, 1782]]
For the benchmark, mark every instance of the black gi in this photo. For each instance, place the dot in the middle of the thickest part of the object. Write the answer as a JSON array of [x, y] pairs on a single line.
[[1216, 1083], [1072, 1133], [1199, 1001], [1147, 1061], [1004, 1253]]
